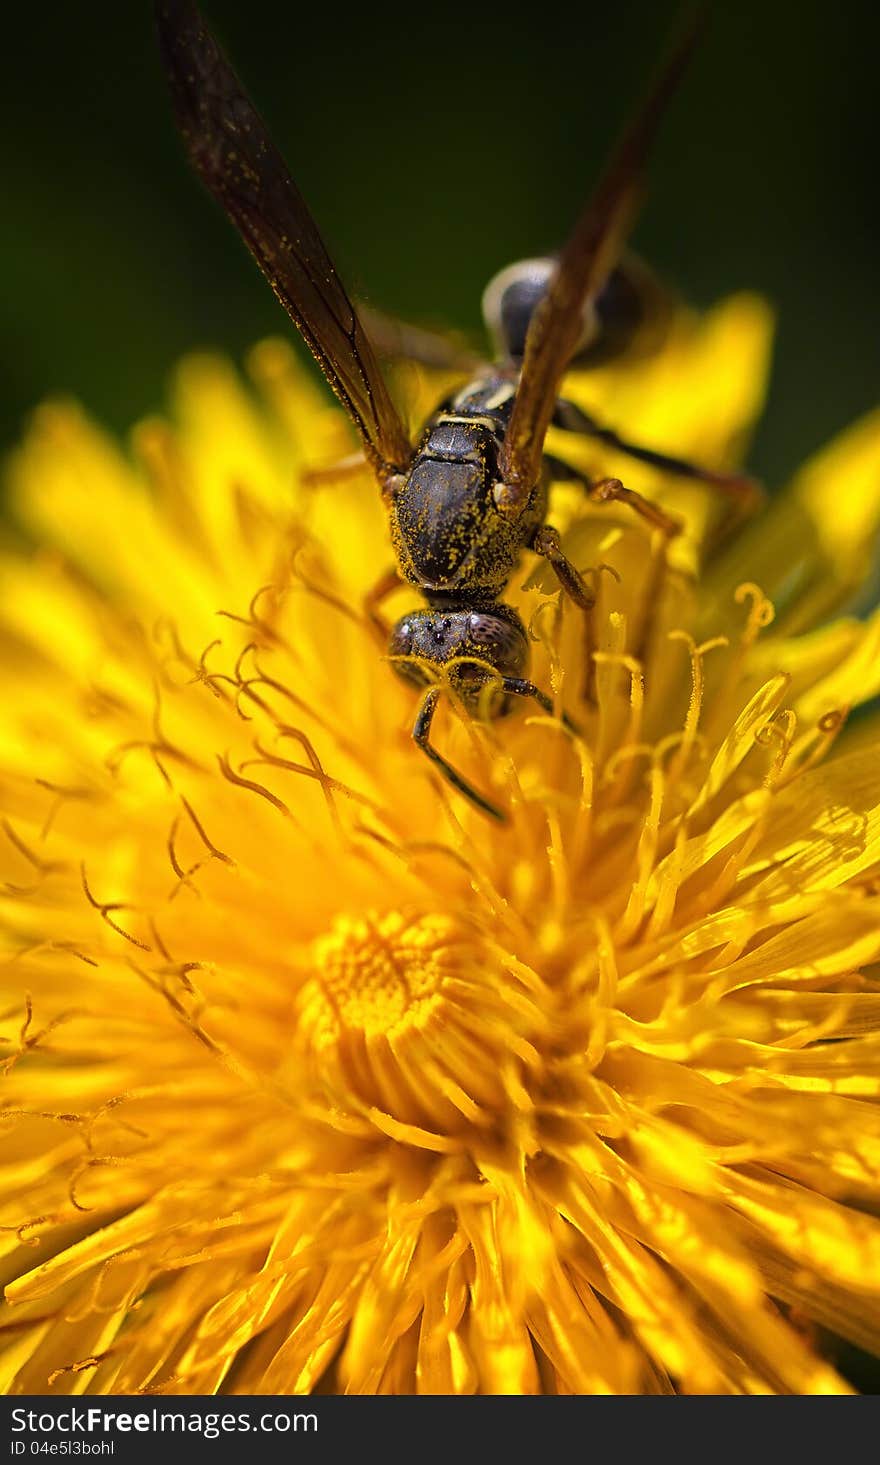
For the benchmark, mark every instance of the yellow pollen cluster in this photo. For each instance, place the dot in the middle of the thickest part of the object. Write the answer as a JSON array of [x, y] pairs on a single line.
[[412, 1022], [383, 976]]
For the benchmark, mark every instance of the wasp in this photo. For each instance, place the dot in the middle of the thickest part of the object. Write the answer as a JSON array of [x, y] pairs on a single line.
[[472, 495]]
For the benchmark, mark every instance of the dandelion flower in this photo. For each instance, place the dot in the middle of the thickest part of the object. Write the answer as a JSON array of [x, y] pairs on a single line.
[[315, 1078]]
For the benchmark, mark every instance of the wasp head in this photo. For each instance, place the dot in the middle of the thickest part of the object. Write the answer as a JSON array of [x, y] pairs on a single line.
[[469, 646]]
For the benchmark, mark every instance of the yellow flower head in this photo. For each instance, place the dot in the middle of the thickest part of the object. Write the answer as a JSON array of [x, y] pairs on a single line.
[[314, 1076]]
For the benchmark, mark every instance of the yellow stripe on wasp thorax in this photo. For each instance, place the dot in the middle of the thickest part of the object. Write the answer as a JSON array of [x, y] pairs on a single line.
[[490, 423]]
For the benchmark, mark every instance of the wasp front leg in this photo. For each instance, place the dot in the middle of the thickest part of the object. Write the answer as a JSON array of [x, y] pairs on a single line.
[[421, 737], [611, 490], [546, 542], [520, 687]]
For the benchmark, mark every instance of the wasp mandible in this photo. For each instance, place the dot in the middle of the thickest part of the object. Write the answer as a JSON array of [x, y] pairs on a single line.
[[472, 495]]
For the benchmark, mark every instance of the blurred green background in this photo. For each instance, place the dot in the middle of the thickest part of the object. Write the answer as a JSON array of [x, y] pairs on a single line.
[[434, 146]]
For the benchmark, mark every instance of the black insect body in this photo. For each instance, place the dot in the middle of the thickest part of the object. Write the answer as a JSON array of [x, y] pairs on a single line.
[[448, 533], [472, 495]]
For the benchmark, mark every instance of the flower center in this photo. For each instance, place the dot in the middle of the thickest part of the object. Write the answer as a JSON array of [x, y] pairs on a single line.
[[410, 1020], [379, 976]]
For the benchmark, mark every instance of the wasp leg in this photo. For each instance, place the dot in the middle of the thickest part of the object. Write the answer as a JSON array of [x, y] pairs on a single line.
[[546, 543], [609, 490], [612, 488], [519, 687], [573, 419], [384, 586], [421, 734]]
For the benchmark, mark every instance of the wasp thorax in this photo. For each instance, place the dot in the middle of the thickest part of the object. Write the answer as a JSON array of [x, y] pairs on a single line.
[[471, 646]]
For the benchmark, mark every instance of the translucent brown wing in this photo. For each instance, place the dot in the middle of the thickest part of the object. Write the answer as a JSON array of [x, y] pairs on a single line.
[[400, 340], [232, 152], [583, 267]]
